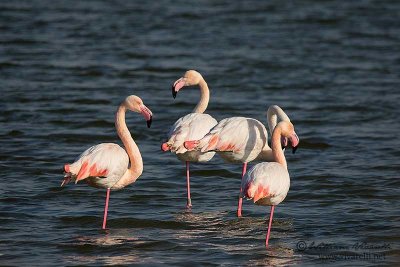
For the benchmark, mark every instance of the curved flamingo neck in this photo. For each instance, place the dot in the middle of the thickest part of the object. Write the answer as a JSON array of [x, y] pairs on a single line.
[[277, 151], [273, 114], [204, 97], [136, 162]]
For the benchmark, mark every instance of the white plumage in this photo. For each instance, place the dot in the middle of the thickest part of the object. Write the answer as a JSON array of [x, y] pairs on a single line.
[[102, 165], [267, 183], [236, 139], [240, 140], [108, 165], [192, 126]]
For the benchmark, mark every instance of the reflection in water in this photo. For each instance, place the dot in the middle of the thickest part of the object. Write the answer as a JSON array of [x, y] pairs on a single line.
[[201, 218], [113, 249], [105, 260], [106, 240], [219, 231], [276, 256]]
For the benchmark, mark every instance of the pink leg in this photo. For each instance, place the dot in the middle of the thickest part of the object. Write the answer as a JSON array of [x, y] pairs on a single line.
[[239, 209], [269, 226], [106, 209], [189, 200]]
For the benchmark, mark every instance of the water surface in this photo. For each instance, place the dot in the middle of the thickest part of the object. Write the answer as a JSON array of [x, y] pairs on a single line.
[[333, 66]]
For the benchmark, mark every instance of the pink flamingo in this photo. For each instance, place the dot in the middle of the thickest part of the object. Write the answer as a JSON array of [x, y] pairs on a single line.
[[106, 165], [190, 127], [240, 140], [268, 183]]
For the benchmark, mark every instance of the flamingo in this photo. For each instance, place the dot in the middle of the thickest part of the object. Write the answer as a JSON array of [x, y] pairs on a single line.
[[106, 165], [193, 126], [268, 183], [240, 140]]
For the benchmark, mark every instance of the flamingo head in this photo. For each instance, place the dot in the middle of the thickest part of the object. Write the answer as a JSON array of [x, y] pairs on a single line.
[[135, 104], [191, 77], [288, 133]]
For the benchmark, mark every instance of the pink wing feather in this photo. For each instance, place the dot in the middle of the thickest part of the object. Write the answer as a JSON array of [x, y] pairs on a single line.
[[105, 160], [235, 134], [190, 127], [266, 183]]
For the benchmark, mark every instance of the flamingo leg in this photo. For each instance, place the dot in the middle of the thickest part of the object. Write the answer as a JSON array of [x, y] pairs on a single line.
[[269, 226], [239, 209], [189, 200], [106, 209]]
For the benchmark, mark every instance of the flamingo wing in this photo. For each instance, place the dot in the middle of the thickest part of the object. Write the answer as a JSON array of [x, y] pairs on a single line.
[[105, 160], [266, 183], [235, 134], [190, 127]]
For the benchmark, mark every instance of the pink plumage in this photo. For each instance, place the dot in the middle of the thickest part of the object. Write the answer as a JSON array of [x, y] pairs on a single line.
[[240, 140], [107, 165], [190, 127], [268, 183], [102, 165]]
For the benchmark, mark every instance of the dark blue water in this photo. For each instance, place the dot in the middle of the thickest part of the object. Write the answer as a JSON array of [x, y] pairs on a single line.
[[333, 66]]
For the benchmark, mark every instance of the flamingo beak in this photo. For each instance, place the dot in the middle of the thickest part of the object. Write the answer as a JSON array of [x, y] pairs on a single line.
[[149, 122], [173, 92], [178, 84], [147, 114], [294, 139]]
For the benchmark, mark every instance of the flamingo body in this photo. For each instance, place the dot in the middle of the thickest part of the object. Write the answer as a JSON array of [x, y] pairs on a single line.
[[267, 183], [236, 139], [193, 126], [101, 166], [241, 140], [108, 165]]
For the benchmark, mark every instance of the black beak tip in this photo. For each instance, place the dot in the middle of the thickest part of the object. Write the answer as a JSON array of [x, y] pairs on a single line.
[[149, 122], [173, 92], [294, 149]]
